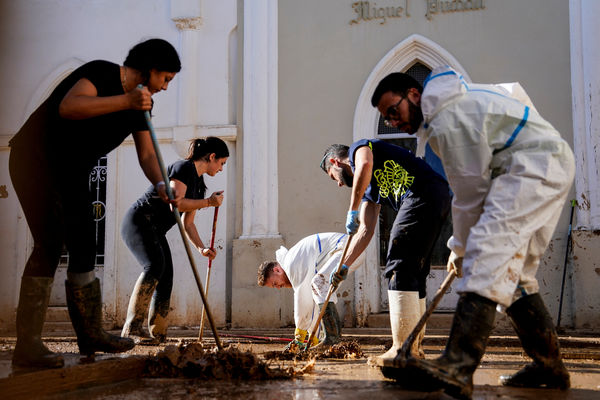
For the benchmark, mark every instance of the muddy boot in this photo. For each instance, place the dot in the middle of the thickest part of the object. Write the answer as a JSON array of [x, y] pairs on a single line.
[[138, 306], [453, 371], [85, 310], [535, 329], [404, 315], [30, 351], [157, 320], [333, 328]]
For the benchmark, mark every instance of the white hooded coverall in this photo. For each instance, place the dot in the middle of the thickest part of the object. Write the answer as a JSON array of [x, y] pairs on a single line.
[[510, 172], [308, 265]]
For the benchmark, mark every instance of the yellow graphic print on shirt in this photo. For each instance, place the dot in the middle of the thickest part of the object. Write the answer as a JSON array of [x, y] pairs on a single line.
[[392, 179]]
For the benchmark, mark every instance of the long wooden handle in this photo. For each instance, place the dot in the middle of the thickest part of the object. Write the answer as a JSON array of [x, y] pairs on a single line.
[[332, 289], [165, 176], [212, 245]]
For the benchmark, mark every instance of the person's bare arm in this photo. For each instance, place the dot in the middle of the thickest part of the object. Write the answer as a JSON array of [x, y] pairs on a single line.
[[215, 200], [82, 101], [192, 234], [369, 213], [363, 170], [149, 162]]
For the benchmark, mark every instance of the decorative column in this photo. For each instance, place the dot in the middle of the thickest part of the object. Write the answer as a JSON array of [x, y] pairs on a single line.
[[254, 306], [187, 17], [260, 197], [585, 81]]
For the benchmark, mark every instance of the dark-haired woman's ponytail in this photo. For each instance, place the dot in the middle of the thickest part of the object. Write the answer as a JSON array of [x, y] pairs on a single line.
[[200, 148]]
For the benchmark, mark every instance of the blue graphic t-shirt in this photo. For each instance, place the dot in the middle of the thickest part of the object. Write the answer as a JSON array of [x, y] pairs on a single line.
[[396, 173]]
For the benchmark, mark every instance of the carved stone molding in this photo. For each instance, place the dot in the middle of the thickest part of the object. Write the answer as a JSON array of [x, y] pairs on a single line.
[[188, 24]]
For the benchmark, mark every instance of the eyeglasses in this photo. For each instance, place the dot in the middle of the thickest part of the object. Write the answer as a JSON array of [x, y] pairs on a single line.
[[322, 165], [392, 114]]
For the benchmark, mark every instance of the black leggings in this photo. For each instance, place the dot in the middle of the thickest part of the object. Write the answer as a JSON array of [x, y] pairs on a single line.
[[58, 209], [413, 235], [142, 233]]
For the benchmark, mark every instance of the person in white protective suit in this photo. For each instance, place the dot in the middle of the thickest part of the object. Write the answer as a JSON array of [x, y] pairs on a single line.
[[306, 268], [510, 172]]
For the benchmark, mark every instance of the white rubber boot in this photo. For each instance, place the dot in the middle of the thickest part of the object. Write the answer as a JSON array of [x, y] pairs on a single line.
[[417, 349], [405, 312]]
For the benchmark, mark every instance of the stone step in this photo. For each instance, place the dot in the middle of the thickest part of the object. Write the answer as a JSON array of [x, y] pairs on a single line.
[[59, 322], [438, 323], [57, 314]]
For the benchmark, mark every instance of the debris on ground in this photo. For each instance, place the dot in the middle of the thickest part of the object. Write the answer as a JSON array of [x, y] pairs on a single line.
[[194, 361], [346, 349]]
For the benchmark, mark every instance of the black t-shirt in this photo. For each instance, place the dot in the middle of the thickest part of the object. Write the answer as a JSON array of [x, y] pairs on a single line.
[[81, 142], [185, 172], [396, 173]]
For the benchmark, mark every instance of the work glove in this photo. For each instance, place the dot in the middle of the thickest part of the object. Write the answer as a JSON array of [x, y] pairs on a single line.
[[455, 264], [336, 278], [352, 222]]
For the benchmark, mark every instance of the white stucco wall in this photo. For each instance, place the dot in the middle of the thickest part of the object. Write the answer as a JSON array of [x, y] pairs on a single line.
[[583, 271]]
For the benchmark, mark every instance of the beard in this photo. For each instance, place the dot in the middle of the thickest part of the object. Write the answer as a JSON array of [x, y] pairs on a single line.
[[416, 117], [347, 178]]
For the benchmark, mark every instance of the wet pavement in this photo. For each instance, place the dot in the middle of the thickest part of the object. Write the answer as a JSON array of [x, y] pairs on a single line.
[[118, 377]]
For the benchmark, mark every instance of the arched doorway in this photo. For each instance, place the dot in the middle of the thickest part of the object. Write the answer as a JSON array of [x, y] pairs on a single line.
[[417, 56]]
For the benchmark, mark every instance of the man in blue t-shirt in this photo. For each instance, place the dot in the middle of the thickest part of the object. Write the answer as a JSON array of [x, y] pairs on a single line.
[[380, 173]]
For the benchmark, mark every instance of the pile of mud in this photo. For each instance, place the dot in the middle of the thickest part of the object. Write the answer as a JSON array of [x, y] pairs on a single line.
[[194, 361], [346, 349]]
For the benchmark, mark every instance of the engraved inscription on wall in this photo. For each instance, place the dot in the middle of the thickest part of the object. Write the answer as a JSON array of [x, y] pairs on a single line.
[[382, 12], [370, 11]]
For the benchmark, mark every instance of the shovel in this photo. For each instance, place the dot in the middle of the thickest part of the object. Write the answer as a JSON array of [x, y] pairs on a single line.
[[165, 176], [212, 245], [392, 368]]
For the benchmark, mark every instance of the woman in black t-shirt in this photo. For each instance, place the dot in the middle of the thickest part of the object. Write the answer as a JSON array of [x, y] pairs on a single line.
[[144, 231], [88, 114]]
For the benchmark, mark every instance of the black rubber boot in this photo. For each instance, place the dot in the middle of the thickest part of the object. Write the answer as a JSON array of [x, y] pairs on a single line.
[[138, 307], [453, 371], [85, 310], [535, 328], [157, 319], [30, 351], [333, 327]]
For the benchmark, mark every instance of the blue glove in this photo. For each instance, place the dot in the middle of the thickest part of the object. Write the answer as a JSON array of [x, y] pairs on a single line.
[[335, 278], [352, 222]]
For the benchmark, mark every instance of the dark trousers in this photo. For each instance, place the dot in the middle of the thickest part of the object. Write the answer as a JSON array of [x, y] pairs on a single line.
[[58, 208], [145, 236], [415, 230]]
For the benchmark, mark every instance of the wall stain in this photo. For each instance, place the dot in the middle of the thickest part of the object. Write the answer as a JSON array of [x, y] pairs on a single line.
[[585, 204]]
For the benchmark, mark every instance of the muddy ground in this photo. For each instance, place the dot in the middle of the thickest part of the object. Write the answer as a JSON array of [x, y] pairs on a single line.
[[122, 377]]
